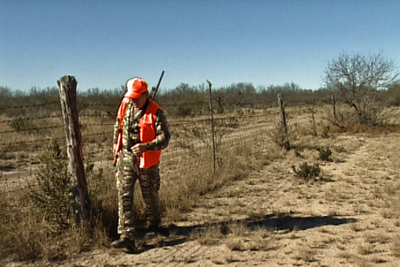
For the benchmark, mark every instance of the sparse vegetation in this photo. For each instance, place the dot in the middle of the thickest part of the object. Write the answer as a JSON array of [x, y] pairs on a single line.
[[50, 192], [278, 135], [357, 79], [36, 227], [307, 172], [325, 153], [396, 246]]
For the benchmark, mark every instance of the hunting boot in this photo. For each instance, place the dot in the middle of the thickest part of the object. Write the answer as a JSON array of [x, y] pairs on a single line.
[[124, 243], [157, 229]]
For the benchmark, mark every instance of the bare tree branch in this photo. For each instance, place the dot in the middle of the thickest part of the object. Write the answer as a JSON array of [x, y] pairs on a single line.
[[356, 78]]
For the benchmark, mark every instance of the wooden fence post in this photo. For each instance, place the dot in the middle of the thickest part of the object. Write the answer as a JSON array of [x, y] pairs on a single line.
[[284, 125], [212, 122], [81, 204], [334, 108]]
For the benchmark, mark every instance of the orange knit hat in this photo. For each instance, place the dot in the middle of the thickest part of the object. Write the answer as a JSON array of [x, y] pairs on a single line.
[[135, 88]]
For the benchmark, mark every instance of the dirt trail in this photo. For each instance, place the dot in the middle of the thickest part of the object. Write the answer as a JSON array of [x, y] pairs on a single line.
[[272, 218]]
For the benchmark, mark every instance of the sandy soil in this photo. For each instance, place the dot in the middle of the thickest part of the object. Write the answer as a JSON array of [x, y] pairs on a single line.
[[349, 216]]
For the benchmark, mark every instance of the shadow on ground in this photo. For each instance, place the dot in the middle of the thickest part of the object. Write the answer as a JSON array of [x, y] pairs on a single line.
[[282, 222]]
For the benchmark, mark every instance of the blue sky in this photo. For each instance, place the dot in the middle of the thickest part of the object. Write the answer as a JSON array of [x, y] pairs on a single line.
[[103, 43]]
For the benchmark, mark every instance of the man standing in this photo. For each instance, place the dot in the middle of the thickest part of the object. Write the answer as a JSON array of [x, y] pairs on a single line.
[[140, 134]]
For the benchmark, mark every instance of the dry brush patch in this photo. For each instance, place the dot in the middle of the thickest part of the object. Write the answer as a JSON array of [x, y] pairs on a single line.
[[367, 172], [348, 218], [180, 191]]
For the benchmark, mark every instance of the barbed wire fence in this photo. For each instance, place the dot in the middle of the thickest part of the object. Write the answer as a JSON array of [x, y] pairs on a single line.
[[198, 143], [25, 131]]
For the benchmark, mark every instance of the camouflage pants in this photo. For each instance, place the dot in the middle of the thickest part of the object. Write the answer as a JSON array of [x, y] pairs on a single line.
[[126, 176]]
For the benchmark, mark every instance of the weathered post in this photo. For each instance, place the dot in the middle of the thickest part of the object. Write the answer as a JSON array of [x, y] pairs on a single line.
[[286, 143], [81, 203], [334, 108], [212, 121]]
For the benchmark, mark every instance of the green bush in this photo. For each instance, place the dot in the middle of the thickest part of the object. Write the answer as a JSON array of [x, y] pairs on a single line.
[[279, 137], [22, 124], [184, 110], [325, 153], [307, 172], [50, 195]]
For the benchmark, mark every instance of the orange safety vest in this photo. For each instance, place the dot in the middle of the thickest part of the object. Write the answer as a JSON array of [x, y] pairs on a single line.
[[147, 134]]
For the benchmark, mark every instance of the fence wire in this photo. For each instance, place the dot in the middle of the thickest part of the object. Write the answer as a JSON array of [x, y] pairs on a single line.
[[27, 131]]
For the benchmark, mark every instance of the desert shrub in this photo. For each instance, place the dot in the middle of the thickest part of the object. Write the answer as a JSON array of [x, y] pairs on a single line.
[[184, 110], [325, 131], [307, 172], [239, 112], [22, 124], [325, 153], [24, 237], [50, 195], [38, 224], [279, 137], [361, 90], [32, 218], [394, 95], [347, 119]]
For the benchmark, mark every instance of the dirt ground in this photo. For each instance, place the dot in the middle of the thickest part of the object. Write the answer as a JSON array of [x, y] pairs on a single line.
[[348, 216]]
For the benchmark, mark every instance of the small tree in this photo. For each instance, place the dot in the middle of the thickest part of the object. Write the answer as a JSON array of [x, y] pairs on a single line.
[[50, 195], [357, 79]]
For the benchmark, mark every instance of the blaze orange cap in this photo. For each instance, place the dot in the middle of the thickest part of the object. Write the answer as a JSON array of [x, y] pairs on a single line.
[[135, 88]]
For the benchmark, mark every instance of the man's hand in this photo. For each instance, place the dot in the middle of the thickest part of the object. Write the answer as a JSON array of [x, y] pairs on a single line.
[[138, 149]]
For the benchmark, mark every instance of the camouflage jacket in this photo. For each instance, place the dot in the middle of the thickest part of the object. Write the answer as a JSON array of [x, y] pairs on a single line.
[[130, 129]]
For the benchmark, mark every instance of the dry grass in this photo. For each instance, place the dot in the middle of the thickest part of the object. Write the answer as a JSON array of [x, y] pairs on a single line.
[[209, 236], [360, 192], [395, 247], [26, 236], [235, 245], [179, 193], [236, 236], [304, 254]]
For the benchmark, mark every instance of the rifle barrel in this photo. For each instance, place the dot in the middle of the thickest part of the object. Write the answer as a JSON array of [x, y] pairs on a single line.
[[159, 80]]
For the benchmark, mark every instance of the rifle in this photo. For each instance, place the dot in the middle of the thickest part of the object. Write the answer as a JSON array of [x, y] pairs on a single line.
[[154, 90]]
